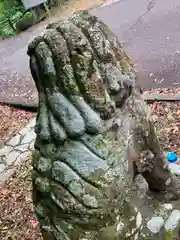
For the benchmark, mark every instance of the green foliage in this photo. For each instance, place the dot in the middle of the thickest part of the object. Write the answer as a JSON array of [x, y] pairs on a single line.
[[12, 10], [6, 32], [25, 22], [9, 8], [28, 15], [2, 10], [16, 16]]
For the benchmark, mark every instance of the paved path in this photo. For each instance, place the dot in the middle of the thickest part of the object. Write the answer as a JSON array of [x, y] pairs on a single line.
[[109, 2], [16, 151], [149, 30], [15, 78]]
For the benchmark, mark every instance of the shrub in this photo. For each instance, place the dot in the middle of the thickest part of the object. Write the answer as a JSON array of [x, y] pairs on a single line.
[[6, 32], [10, 12], [26, 21]]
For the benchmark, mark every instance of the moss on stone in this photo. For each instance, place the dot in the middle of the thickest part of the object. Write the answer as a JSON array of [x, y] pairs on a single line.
[[26, 21]]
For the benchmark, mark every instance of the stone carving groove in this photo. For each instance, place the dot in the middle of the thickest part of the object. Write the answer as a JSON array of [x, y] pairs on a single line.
[[94, 134]]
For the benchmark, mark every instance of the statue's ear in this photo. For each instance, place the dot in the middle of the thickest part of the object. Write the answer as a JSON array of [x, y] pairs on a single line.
[[137, 85], [139, 89]]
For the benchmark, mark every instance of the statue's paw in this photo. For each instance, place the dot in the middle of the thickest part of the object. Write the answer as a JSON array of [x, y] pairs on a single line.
[[164, 196], [173, 188], [171, 196]]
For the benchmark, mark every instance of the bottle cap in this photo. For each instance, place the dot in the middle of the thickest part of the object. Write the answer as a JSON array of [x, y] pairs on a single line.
[[172, 157]]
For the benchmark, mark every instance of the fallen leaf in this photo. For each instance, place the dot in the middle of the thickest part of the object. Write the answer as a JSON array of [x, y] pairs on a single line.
[[34, 223], [178, 113], [170, 117]]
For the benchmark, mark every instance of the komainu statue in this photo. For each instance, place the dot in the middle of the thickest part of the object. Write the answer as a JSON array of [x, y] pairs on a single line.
[[98, 169]]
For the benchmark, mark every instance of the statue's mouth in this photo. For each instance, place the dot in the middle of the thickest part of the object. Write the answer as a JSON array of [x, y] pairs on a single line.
[[118, 84]]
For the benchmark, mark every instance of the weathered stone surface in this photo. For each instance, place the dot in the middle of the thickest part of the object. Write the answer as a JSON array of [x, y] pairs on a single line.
[[12, 157], [155, 224], [22, 156], [14, 141], [5, 175], [16, 151], [2, 167], [28, 128], [28, 137], [173, 220], [4, 152], [94, 136]]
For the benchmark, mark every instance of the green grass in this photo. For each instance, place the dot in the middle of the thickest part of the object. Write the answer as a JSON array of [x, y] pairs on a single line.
[[9, 9]]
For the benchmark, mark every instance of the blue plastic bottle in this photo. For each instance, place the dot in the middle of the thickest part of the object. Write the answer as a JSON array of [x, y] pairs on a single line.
[[174, 163], [172, 157]]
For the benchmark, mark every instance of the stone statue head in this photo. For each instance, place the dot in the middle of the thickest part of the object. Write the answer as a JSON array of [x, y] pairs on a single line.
[[79, 62]]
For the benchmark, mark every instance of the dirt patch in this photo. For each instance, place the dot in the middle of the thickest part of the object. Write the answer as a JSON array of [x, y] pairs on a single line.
[[12, 121], [163, 91], [166, 118], [17, 220]]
